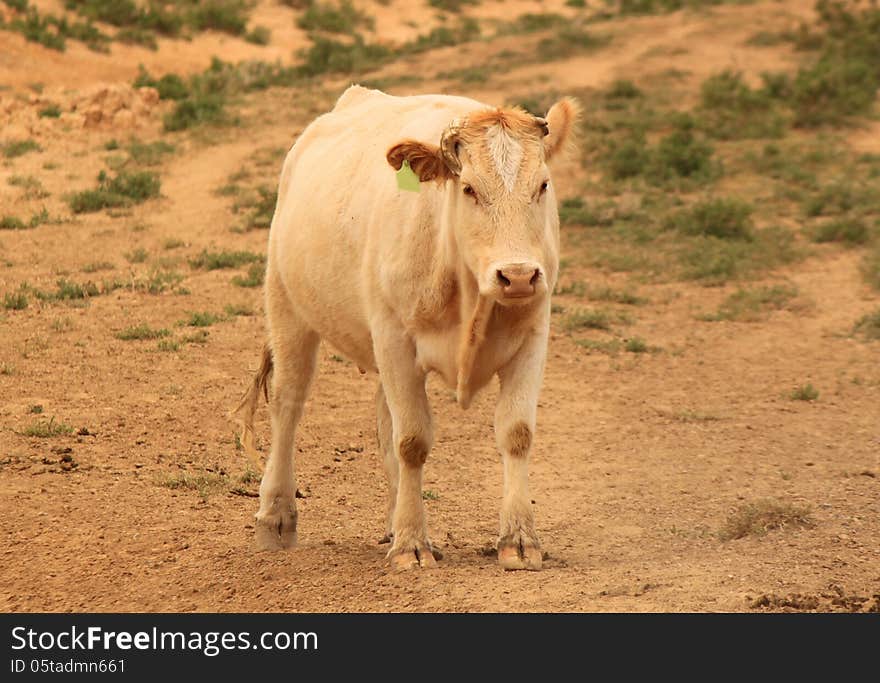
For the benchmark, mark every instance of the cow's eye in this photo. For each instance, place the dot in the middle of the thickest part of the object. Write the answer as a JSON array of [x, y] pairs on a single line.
[[469, 191], [544, 187]]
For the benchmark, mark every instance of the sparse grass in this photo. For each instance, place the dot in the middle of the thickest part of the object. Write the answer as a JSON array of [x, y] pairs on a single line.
[[47, 429], [428, 494], [595, 319], [12, 223], [205, 484], [616, 296], [141, 332], [123, 190], [196, 110], [15, 301], [138, 255], [805, 392], [234, 310], [728, 219], [756, 519], [214, 260], [149, 153], [731, 110], [33, 188], [750, 305], [16, 148], [254, 278], [62, 324], [51, 111], [157, 281], [451, 5], [714, 260], [259, 35], [610, 347], [168, 345], [343, 17], [848, 231], [636, 345], [569, 41], [871, 267], [682, 158], [260, 206], [173, 243], [96, 266], [197, 337], [332, 56], [202, 319], [574, 211], [868, 326], [7, 369]]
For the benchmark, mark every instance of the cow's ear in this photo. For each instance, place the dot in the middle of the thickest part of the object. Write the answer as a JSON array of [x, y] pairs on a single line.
[[561, 120], [424, 159]]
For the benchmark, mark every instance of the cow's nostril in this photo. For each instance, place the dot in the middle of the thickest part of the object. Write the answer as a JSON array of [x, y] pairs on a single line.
[[535, 277], [503, 280]]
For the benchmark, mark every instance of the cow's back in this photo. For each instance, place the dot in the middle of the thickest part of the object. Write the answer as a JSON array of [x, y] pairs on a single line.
[[338, 199]]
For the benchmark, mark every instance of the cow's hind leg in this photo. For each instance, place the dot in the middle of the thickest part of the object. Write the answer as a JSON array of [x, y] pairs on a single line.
[[384, 435], [294, 350]]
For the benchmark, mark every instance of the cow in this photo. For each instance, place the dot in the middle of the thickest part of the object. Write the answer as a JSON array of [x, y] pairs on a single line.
[[451, 275]]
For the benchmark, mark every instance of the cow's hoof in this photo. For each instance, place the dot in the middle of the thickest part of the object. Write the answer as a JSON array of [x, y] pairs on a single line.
[[387, 538], [276, 531], [513, 557], [404, 560]]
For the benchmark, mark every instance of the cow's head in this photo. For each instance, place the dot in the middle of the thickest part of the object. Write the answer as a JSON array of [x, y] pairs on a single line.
[[502, 205]]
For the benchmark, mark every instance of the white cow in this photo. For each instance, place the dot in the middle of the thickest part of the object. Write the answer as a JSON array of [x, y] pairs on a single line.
[[454, 278]]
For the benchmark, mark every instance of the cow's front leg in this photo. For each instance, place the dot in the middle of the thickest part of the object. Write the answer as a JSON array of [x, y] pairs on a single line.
[[412, 435], [515, 413]]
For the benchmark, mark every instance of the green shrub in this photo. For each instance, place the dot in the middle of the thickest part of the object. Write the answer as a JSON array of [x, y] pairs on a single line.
[[344, 18], [259, 35], [214, 260], [123, 190], [331, 56], [728, 219], [868, 325], [731, 110], [850, 231], [15, 148]]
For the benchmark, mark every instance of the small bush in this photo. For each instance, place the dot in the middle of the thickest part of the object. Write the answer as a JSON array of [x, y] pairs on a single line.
[[228, 16], [756, 519], [15, 301], [344, 18], [731, 110], [11, 223], [805, 392], [46, 429], [574, 211], [849, 231], [15, 148], [569, 41], [149, 153], [169, 86], [203, 319], [196, 110], [52, 111], [728, 219], [588, 319], [140, 332], [255, 276], [871, 267], [868, 325], [259, 35], [749, 305], [214, 260], [331, 56], [123, 190]]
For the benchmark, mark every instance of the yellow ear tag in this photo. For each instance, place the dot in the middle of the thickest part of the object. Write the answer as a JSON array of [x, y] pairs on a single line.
[[407, 179]]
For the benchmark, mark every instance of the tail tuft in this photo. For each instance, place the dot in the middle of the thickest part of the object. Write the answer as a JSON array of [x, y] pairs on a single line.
[[244, 413]]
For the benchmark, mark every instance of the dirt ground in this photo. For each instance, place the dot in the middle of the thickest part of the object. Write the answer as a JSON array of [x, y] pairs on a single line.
[[639, 458]]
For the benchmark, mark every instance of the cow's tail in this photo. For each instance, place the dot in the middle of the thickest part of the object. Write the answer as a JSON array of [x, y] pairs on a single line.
[[244, 413]]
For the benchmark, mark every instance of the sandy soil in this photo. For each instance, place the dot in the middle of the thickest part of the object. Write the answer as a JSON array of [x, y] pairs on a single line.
[[639, 458]]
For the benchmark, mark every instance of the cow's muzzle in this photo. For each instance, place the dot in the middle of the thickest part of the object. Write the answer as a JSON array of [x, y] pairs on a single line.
[[518, 281]]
